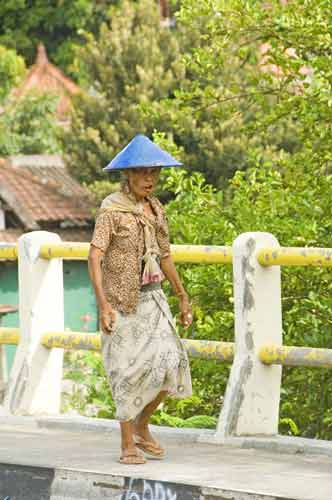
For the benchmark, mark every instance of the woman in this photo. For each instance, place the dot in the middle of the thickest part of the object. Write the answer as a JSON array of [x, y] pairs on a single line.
[[129, 257]]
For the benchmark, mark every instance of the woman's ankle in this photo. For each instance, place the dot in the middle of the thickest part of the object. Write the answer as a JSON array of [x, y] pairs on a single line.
[[127, 435], [142, 423]]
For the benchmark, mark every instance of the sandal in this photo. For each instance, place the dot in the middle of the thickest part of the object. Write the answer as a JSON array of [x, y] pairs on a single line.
[[132, 458], [150, 448]]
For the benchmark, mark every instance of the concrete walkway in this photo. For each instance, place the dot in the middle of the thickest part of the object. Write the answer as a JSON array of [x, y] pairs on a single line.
[[80, 462]]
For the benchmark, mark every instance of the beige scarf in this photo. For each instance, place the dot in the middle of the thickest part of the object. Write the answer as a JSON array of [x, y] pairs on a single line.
[[127, 203]]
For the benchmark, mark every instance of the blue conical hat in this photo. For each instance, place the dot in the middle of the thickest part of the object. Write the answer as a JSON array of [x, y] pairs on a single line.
[[141, 152]]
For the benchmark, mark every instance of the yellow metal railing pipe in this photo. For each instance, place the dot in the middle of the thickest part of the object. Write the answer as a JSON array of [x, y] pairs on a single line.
[[295, 256], [200, 254], [210, 349], [296, 356], [8, 251], [66, 250], [202, 349], [72, 340], [222, 351], [197, 254], [10, 336]]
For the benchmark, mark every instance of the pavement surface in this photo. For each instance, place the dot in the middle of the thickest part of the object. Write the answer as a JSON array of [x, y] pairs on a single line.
[[235, 473]]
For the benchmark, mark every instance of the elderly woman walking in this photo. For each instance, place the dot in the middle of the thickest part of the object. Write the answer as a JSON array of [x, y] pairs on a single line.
[[143, 356]]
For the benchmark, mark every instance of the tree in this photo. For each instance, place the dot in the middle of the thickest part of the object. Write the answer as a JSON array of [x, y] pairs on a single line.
[[282, 52], [263, 72], [23, 24], [286, 191], [132, 63], [12, 70], [297, 210], [29, 126], [205, 104]]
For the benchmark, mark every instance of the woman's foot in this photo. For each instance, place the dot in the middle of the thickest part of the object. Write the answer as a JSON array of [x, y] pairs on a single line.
[[146, 442], [150, 448], [132, 456], [141, 433]]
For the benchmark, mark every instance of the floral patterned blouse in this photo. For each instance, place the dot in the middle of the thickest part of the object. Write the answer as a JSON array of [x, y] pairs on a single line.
[[120, 236]]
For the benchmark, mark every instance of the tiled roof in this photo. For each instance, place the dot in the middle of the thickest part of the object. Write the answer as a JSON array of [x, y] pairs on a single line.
[[12, 235], [39, 189], [45, 77]]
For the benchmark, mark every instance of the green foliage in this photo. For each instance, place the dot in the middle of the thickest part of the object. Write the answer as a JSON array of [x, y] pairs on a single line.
[[133, 62], [90, 395], [288, 426], [12, 69], [260, 80], [280, 114], [215, 113], [198, 421], [292, 202], [201, 421], [58, 24], [202, 84], [29, 127]]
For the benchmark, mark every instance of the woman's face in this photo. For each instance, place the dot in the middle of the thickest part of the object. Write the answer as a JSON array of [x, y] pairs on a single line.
[[143, 180]]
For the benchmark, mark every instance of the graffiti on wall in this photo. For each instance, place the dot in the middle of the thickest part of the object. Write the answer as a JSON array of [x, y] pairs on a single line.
[[144, 489]]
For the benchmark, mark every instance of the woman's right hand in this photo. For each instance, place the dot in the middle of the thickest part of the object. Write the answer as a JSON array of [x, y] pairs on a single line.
[[107, 318]]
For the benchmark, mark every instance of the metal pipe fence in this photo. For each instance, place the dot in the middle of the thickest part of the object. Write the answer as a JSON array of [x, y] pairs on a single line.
[[251, 401]]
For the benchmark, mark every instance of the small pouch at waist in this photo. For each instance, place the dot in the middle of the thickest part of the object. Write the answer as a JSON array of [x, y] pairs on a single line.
[[150, 286]]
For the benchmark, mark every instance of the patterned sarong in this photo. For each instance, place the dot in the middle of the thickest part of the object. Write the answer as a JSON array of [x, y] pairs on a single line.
[[144, 355]]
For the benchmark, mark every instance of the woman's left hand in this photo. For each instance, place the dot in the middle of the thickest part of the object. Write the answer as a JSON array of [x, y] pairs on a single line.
[[186, 317]]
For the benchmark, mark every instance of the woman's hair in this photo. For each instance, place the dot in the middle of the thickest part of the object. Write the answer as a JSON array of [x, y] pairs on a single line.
[[124, 183]]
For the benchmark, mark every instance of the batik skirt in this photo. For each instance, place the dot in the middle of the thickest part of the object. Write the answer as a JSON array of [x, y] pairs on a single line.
[[144, 355]]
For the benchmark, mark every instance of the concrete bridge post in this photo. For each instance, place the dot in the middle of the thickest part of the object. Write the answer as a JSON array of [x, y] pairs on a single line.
[[35, 382], [251, 403], [3, 366]]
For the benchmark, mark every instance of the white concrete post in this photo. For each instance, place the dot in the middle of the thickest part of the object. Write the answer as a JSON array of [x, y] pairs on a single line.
[[251, 403], [34, 386], [3, 366], [3, 369]]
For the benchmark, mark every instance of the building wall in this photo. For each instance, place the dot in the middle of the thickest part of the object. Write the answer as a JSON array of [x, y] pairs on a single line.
[[80, 304]]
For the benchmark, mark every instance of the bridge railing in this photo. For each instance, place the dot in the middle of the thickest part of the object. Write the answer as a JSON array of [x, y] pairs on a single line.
[[251, 401]]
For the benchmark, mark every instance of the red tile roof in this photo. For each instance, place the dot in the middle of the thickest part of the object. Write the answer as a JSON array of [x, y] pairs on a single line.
[[39, 189], [10, 235], [45, 77]]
